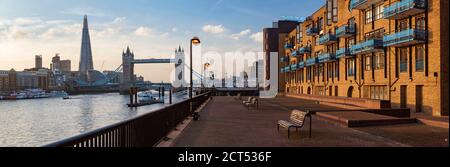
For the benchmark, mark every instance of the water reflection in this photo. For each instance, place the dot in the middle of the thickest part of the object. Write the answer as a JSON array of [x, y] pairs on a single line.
[[42, 121]]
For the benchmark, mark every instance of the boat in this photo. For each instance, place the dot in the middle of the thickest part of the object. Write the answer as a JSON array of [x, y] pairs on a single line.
[[62, 94], [148, 97], [18, 96]]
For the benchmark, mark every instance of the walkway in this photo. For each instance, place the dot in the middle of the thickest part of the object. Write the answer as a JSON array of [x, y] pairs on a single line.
[[225, 122]]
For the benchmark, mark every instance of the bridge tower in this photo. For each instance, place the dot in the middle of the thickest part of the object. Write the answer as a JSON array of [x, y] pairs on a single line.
[[128, 71], [179, 80]]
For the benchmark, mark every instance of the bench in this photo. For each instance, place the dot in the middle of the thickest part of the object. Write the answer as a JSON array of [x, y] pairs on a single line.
[[254, 102], [247, 101], [297, 120]]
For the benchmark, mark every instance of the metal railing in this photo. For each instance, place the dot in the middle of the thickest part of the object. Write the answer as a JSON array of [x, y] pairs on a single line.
[[305, 49], [408, 35], [143, 131], [367, 46], [312, 31], [326, 57], [301, 64], [327, 38], [345, 30], [400, 7], [311, 61], [342, 52]]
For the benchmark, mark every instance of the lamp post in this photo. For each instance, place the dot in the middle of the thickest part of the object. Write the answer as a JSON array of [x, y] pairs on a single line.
[[194, 41]]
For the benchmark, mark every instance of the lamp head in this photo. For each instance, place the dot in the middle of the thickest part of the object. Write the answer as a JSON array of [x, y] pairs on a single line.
[[195, 41]]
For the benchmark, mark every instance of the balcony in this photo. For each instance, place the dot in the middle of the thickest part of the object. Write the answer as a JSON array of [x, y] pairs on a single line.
[[405, 38], [368, 46], [301, 64], [363, 4], [289, 46], [343, 53], [327, 39], [304, 50], [345, 31], [311, 61], [326, 57], [295, 53], [312, 31], [294, 67], [284, 59], [287, 69], [404, 9]]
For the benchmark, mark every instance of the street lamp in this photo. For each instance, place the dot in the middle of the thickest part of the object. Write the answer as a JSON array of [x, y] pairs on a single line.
[[194, 41]]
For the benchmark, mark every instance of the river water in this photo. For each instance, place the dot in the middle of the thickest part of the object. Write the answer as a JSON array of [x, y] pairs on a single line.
[[36, 122]]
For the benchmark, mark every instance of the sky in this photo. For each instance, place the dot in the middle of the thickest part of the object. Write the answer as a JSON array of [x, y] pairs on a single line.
[[152, 29]]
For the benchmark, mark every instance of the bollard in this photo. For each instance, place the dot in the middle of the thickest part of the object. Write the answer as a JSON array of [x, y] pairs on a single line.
[[170, 96]]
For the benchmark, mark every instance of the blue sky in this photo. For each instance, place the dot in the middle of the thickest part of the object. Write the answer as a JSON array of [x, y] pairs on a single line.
[[151, 27]]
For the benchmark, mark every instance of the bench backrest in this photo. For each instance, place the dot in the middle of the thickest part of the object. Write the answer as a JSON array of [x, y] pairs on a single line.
[[249, 99], [253, 101], [298, 117]]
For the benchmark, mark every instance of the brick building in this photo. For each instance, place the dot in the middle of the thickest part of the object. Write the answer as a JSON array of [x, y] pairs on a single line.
[[388, 50]]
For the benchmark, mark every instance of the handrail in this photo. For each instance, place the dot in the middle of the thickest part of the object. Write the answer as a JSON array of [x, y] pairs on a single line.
[[99, 134]]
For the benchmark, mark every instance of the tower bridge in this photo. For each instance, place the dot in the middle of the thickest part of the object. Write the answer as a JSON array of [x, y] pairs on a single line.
[[128, 62]]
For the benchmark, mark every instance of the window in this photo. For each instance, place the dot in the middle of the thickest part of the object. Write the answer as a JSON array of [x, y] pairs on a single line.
[[379, 12], [351, 67], [403, 25], [420, 23], [378, 61], [368, 63], [320, 24], [378, 92], [332, 11], [420, 53], [377, 34], [350, 42], [335, 11], [369, 17], [403, 60]]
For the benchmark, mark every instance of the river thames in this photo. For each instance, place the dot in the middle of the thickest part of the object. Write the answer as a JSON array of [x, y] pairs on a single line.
[[36, 122]]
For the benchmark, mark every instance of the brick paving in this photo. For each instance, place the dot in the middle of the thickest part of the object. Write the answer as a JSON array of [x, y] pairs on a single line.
[[225, 122]]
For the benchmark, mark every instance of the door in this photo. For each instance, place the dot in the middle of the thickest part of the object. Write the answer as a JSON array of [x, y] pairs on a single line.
[[350, 91], [336, 92], [419, 98], [403, 96], [330, 91]]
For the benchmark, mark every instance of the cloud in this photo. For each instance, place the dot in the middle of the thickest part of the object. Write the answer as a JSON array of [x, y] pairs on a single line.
[[119, 20], [143, 31], [240, 34], [258, 37], [84, 11], [174, 29], [213, 29]]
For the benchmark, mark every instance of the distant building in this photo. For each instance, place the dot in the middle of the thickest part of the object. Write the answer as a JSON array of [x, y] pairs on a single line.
[[18, 80], [273, 41], [38, 61], [59, 65]]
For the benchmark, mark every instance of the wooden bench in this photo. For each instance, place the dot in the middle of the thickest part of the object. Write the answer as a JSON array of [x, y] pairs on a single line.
[[297, 120], [247, 101], [254, 102]]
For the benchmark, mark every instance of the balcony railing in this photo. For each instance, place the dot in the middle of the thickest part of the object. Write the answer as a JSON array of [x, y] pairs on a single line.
[[368, 46], [405, 38], [312, 31], [284, 59], [289, 46], [295, 53], [287, 69], [301, 64], [311, 61], [327, 39], [294, 67], [326, 57], [363, 4], [345, 31], [343, 53], [304, 50], [404, 9]]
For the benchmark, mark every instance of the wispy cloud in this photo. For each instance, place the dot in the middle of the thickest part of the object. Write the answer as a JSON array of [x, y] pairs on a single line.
[[143, 31], [249, 12], [258, 37], [239, 35], [213, 29]]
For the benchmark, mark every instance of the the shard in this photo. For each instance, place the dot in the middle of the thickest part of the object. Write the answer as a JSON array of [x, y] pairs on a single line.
[[86, 62]]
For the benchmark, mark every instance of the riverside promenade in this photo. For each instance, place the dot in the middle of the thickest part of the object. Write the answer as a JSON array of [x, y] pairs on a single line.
[[225, 122]]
